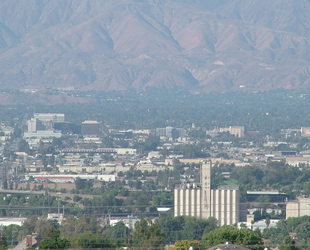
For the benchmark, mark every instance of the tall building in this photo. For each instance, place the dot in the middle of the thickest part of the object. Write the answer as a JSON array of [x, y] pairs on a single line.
[[200, 201], [42, 125], [237, 131], [32, 125], [36, 124], [205, 181], [44, 121], [90, 128], [161, 132], [170, 132]]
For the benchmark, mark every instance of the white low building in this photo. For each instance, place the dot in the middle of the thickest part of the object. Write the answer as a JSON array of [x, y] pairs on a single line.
[[56, 216], [62, 177], [261, 224], [7, 221], [42, 134], [129, 221]]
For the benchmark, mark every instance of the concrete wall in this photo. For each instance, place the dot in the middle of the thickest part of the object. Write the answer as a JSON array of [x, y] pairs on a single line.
[[225, 206], [298, 208], [187, 202]]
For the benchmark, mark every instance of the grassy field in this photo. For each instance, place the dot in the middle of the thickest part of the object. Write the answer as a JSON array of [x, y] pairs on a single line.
[[231, 182]]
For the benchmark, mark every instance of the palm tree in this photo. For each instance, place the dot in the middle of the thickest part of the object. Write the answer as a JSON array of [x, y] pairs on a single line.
[[252, 223], [267, 221]]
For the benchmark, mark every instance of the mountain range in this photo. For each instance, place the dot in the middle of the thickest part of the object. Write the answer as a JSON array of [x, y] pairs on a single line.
[[203, 46]]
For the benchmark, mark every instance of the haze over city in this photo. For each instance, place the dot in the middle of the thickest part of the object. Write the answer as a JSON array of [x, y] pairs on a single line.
[[154, 124]]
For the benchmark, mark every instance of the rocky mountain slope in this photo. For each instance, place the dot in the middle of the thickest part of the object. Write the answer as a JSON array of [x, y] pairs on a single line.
[[119, 44]]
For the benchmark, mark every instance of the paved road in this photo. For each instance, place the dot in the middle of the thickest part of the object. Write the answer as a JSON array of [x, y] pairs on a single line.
[[21, 207], [20, 192]]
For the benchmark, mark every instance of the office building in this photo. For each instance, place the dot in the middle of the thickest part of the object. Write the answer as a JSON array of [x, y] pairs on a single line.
[[32, 125], [121, 134], [170, 132], [36, 124], [237, 131], [200, 201], [44, 121], [90, 128], [55, 118]]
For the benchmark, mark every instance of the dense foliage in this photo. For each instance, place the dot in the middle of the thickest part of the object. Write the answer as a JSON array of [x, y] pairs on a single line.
[[87, 232], [267, 111], [300, 227], [232, 235], [53, 240], [185, 227]]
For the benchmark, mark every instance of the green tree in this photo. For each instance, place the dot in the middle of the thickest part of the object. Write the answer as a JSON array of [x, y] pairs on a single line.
[[186, 227], [76, 198], [197, 133], [27, 227], [3, 241], [81, 184], [23, 146], [42, 225], [89, 240], [5, 182], [11, 232], [151, 143], [148, 235], [86, 224], [68, 226], [52, 240], [163, 199], [302, 231], [119, 230], [233, 235], [138, 184], [288, 244], [186, 244], [267, 221]]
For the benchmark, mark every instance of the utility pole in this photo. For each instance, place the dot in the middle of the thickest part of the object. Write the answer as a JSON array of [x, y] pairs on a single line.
[[58, 206]]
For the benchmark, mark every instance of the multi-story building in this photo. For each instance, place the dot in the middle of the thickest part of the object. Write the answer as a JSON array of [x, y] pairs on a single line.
[[237, 131], [200, 201], [161, 132], [305, 131], [44, 121], [170, 132], [36, 124], [32, 125], [55, 118], [121, 134], [90, 128]]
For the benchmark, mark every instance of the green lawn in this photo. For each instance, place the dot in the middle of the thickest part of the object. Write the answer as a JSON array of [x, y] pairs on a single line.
[[231, 182]]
